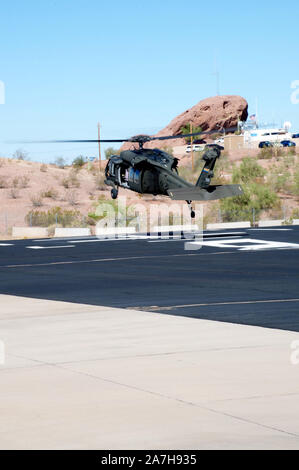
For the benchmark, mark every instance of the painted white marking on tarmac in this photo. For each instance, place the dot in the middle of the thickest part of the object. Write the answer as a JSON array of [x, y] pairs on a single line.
[[227, 234], [6, 244], [190, 239], [271, 229], [170, 240], [119, 238], [97, 240], [213, 304], [249, 244], [157, 238], [60, 239], [37, 247], [262, 245], [126, 237]]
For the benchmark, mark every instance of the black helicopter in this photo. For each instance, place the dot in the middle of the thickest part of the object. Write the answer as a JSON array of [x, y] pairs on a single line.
[[154, 171]]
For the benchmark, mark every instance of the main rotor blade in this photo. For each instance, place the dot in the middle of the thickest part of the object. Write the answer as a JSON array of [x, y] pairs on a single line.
[[76, 141], [139, 138]]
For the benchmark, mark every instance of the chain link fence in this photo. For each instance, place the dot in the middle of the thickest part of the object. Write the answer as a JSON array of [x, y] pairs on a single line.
[[254, 216]]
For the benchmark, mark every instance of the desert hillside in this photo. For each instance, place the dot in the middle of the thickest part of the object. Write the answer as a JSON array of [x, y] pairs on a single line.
[[29, 186]]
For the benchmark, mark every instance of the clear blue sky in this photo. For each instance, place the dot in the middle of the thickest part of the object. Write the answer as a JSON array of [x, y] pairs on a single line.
[[134, 65]]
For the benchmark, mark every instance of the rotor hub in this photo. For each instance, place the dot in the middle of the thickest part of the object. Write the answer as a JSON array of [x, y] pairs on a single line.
[[140, 139]]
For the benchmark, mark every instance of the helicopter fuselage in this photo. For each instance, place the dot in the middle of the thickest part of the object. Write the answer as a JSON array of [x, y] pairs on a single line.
[[152, 171], [145, 171]]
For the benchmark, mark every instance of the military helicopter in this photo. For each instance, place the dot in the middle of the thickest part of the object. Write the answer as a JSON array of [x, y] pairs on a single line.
[[154, 171]]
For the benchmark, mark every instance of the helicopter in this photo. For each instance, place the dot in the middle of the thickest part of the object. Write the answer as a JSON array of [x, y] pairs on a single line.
[[154, 171]]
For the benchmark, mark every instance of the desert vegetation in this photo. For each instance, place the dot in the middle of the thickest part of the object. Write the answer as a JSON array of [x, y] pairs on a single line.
[[55, 216]]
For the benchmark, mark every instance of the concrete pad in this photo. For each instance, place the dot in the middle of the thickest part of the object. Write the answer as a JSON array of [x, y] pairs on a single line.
[[228, 225], [82, 377], [100, 231], [29, 232], [295, 221], [72, 232], [270, 223]]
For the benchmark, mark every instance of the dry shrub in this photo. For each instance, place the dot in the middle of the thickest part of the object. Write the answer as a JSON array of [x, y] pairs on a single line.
[[71, 181], [37, 200], [50, 193], [14, 193], [24, 181], [99, 181], [15, 182], [71, 197], [3, 182]]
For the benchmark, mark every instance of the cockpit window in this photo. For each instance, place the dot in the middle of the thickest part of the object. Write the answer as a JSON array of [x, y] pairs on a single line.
[[111, 168], [159, 156], [156, 155]]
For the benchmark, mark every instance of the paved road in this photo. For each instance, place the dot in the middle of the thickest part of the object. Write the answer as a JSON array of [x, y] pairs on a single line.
[[229, 279]]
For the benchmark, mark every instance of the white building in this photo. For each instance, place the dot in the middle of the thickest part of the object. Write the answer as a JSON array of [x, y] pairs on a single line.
[[252, 137]]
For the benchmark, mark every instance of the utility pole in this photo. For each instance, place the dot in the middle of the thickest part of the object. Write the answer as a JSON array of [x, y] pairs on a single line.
[[192, 159], [99, 133]]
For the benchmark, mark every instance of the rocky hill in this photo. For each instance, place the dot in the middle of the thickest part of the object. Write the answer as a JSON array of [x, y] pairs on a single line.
[[210, 113]]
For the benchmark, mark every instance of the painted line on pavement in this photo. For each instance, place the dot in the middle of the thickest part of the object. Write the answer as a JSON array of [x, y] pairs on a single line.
[[271, 229], [37, 247], [213, 304], [103, 260]]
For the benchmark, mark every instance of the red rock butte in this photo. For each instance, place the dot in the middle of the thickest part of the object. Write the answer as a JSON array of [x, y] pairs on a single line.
[[210, 113]]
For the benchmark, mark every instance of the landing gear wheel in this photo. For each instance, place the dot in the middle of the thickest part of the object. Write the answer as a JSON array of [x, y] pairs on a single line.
[[192, 212], [114, 193]]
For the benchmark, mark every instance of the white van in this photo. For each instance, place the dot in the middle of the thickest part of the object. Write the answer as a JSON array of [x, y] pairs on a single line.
[[195, 148]]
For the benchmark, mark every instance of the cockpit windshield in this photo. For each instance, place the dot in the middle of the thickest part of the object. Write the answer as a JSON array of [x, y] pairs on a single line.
[[159, 156]]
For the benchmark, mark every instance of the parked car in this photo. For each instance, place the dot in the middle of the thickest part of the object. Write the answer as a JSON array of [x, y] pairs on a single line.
[[198, 147], [287, 143], [195, 148], [265, 143], [295, 136]]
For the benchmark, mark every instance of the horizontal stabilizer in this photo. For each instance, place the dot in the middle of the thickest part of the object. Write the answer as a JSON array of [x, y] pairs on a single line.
[[209, 194]]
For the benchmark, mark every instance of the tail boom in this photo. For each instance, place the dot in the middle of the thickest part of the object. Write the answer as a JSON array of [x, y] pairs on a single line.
[[208, 194]]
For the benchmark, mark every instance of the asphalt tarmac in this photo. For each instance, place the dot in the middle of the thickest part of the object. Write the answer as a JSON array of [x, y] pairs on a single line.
[[246, 277]]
